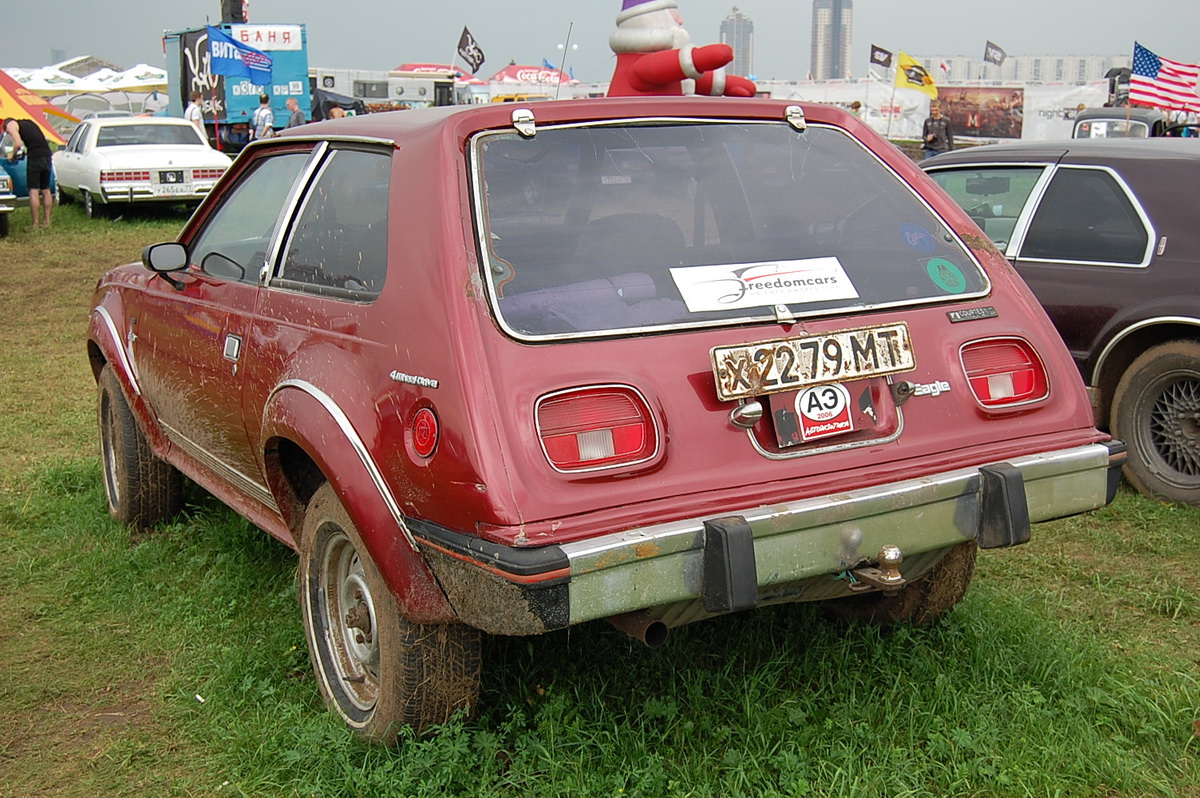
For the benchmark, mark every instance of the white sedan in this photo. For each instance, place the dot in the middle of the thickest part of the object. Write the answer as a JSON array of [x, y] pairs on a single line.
[[137, 159]]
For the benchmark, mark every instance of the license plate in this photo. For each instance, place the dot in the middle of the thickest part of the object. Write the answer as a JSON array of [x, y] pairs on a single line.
[[170, 189], [790, 364]]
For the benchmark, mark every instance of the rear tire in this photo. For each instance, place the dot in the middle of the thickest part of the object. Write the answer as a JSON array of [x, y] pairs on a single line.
[[141, 489], [376, 669], [91, 208], [1156, 412], [921, 601]]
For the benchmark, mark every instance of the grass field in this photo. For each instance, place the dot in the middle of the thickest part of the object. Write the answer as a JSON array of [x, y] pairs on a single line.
[[174, 663]]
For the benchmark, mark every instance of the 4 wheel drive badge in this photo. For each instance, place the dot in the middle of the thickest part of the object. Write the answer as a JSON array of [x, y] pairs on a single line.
[[823, 410]]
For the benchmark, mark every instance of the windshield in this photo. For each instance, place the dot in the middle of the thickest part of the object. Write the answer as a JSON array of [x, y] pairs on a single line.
[[595, 230], [1112, 129]]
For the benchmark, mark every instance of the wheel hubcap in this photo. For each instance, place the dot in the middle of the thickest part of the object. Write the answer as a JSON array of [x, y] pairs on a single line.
[[1175, 425]]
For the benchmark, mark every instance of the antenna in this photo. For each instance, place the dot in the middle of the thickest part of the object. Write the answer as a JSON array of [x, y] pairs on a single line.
[[566, 54]]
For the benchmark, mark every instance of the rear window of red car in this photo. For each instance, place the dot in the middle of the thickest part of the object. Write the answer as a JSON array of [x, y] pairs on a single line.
[[595, 230]]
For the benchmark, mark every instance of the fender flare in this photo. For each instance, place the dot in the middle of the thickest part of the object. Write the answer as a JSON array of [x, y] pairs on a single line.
[[300, 412], [105, 336]]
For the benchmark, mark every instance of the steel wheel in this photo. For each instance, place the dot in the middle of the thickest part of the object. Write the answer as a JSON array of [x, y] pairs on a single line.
[[348, 615], [1156, 412], [375, 668], [141, 489]]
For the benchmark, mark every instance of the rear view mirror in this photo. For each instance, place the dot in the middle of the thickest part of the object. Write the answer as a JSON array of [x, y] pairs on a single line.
[[165, 258], [986, 186]]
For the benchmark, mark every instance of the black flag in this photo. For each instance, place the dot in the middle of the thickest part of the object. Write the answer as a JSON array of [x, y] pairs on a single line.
[[881, 56], [993, 54], [469, 51]]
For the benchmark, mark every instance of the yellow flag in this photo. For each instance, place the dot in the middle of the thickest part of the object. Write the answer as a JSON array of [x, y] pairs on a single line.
[[911, 75]]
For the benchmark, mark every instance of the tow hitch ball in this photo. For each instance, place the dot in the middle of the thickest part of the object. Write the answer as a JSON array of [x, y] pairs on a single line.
[[886, 577]]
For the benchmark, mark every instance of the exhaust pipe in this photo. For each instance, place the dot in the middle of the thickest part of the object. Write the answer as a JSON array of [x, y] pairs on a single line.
[[640, 626]]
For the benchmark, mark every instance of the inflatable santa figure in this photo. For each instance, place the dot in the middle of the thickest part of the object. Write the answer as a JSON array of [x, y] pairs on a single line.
[[655, 56]]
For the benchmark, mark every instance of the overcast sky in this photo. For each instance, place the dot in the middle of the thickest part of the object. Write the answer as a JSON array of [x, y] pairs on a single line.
[[368, 34]]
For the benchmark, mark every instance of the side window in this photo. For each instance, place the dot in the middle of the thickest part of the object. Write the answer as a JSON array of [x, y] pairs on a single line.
[[1086, 215], [76, 142], [340, 238], [235, 241]]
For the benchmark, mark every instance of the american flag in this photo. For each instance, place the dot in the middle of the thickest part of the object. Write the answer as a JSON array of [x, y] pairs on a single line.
[[1163, 83]]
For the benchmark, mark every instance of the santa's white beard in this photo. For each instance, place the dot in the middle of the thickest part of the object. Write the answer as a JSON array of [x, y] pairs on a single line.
[[648, 32]]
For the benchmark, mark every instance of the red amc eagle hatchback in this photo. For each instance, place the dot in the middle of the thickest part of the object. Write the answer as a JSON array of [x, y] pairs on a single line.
[[504, 369]]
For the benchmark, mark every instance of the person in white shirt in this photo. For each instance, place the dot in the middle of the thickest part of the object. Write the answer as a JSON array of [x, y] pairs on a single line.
[[194, 114], [263, 126]]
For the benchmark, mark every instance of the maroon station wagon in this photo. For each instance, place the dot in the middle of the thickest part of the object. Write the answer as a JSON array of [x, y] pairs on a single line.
[[1105, 234], [506, 369]]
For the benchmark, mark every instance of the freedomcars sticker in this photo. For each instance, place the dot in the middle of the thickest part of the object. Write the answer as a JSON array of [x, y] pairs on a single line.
[[765, 284]]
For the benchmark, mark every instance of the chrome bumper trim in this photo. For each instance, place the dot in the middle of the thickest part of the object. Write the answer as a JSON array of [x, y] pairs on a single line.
[[664, 563]]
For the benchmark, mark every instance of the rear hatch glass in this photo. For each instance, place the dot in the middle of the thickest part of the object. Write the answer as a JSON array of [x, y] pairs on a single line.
[[599, 230]]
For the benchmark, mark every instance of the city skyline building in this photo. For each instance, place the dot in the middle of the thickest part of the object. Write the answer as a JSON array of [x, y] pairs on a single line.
[[737, 30], [832, 34]]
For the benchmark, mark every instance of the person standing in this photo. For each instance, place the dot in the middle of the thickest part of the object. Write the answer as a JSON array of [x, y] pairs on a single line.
[[936, 135], [26, 133], [296, 118], [263, 122], [194, 114]]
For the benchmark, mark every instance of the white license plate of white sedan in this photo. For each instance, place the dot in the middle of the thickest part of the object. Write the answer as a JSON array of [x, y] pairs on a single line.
[[171, 189], [789, 364]]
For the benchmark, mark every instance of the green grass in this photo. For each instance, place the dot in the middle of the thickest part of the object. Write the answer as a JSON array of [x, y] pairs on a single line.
[[174, 663]]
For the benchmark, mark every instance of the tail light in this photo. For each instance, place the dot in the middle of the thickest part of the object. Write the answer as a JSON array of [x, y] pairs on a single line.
[[596, 427], [207, 174], [125, 176], [1004, 372]]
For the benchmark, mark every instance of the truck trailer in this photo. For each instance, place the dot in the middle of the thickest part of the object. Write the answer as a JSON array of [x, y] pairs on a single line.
[[229, 102]]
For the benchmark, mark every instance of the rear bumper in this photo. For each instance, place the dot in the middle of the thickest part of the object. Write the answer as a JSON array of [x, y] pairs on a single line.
[[144, 193], [786, 551]]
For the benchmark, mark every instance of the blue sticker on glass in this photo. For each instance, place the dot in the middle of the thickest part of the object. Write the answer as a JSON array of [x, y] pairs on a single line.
[[946, 275], [918, 238]]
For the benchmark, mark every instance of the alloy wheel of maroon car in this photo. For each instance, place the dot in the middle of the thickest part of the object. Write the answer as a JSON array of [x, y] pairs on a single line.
[[1156, 410]]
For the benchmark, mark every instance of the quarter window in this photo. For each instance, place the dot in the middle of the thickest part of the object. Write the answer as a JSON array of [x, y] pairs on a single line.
[[1086, 215], [340, 238]]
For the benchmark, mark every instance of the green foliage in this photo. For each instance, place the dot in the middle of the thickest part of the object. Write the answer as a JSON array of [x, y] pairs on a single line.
[[1009, 696]]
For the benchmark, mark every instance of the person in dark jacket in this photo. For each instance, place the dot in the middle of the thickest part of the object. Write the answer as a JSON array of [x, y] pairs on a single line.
[[27, 135], [936, 135]]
